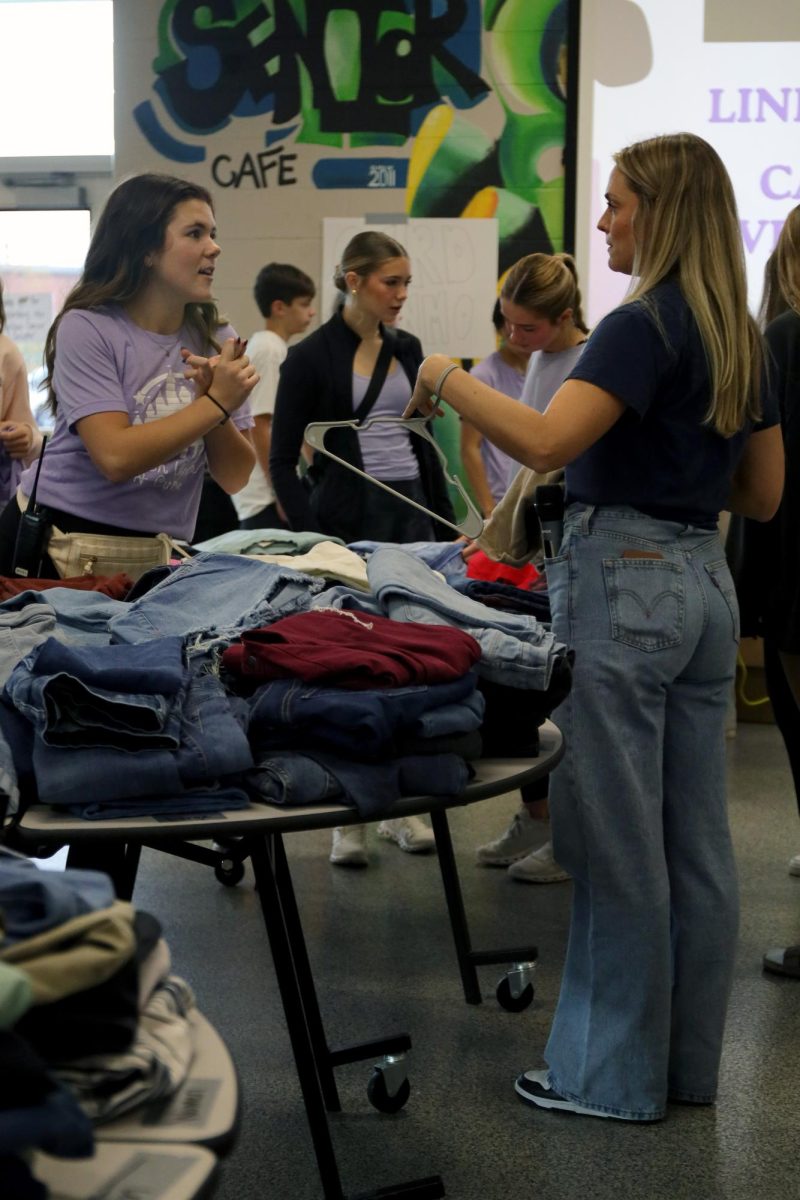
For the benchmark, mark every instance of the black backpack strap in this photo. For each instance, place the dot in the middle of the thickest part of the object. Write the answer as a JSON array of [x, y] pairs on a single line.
[[379, 373]]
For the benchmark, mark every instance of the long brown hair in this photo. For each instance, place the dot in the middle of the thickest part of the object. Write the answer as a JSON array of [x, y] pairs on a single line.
[[686, 226], [133, 224]]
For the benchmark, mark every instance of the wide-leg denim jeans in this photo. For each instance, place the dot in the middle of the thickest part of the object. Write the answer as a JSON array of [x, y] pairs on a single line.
[[639, 811]]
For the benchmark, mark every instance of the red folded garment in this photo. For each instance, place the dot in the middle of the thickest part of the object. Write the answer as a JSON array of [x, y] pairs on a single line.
[[115, 586], [480, 566], [347, 649]]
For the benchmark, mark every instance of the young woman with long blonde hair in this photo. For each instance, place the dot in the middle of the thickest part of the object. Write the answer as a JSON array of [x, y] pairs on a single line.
[[662, 424]]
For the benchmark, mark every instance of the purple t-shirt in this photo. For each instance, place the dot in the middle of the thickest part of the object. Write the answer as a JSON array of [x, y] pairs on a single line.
[[106, 363]]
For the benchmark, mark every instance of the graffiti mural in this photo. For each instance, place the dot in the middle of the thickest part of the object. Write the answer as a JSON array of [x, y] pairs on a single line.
[[457, 107]]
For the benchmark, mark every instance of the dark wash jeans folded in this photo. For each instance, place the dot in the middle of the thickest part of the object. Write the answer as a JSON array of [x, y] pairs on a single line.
[[365, 724], [505, 596], [195, 801], [372, 788]]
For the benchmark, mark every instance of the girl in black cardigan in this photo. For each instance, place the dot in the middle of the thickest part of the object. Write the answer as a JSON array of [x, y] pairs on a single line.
[[325, 378]]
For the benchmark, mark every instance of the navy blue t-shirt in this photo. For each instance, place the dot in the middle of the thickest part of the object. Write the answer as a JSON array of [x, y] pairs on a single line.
[[660, 457]]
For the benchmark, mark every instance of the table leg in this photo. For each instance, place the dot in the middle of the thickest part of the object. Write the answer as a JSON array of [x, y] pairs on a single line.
[[295, 1013], [305, 979], [455, 906], [468, 959], [293, 970]]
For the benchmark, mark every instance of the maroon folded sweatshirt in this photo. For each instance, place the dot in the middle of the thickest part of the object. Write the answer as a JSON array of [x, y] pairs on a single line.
[[342, 648]]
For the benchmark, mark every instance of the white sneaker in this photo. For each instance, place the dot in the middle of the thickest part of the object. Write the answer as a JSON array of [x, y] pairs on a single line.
[[410, 833], [349, 846], [794, 865], [522, 835], [538, 867]]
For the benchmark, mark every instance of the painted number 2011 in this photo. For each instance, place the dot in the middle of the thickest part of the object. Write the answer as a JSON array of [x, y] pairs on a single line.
[[382, 176]]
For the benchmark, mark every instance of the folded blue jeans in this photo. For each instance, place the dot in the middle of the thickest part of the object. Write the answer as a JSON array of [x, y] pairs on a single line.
[[516, 649], [97, 695], [287, 712], [33, 901], [212, 598], [212, 744], [373, 788]]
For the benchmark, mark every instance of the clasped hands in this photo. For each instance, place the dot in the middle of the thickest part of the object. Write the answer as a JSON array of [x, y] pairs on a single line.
[[230, 373]]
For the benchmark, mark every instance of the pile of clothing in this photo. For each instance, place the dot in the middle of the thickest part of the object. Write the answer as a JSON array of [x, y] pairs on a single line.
[[92, 1021], [234, 677]]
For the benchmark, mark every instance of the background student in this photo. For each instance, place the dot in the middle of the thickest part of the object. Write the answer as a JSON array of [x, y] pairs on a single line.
[[541, 306], [488, 469], [284, 295], [20, 438], [769, 580], [662, 425], [326, 378], [146, 383]]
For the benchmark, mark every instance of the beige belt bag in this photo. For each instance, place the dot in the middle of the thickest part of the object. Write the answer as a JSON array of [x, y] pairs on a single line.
[[74, 554]]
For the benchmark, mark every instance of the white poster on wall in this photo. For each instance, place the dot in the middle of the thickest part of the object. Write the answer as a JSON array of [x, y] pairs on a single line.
[[454, 278], [726, 72]]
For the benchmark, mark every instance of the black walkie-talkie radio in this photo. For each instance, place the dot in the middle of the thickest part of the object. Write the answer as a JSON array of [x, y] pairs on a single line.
[[31, 532], [548, 500]]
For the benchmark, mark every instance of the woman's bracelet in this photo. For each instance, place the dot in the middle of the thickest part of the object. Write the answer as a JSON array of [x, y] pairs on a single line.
[[437, 391], [221, 408]]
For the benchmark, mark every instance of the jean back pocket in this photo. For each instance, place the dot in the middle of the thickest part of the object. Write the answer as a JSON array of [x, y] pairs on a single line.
[[645, 602]]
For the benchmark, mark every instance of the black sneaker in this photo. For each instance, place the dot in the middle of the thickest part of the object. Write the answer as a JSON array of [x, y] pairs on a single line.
[[533, 1088]]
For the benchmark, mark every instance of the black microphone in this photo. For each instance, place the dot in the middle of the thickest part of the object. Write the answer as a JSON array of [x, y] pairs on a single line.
[[548, 500]]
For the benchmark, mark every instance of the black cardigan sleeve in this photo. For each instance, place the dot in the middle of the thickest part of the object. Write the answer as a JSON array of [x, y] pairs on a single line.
[[299, 387]]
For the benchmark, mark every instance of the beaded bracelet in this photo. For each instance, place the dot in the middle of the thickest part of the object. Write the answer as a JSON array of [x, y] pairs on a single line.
[[436, 394], [221, 408]]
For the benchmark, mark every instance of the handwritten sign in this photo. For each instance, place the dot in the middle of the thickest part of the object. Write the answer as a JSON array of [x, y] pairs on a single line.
[[28, 316]]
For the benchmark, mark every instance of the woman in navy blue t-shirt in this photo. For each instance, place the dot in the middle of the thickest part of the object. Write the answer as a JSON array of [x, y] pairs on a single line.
[[661, 425]]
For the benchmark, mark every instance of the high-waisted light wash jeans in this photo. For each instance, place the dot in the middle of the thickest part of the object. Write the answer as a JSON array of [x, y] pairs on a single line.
[[639, 813]]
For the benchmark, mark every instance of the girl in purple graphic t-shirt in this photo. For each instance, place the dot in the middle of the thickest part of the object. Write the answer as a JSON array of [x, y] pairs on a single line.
[[144, 378]]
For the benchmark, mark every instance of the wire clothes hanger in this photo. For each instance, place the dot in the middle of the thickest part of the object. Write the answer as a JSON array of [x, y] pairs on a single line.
[[470, 526]]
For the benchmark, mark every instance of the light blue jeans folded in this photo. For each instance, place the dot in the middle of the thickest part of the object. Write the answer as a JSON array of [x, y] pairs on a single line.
[[516, 649]]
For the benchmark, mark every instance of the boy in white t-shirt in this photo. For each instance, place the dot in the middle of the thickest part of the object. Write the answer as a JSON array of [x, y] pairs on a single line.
[[284, 295]]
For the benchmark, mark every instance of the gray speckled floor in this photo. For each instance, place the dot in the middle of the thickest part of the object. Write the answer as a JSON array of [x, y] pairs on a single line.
[[382, 954]]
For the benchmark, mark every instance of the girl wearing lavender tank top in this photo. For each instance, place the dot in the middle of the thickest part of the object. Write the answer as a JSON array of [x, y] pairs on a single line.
[[326, 378]]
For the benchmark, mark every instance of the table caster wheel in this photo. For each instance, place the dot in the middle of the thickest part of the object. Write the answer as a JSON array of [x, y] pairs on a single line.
[[388, 1088], [229, 872], [515, 990]]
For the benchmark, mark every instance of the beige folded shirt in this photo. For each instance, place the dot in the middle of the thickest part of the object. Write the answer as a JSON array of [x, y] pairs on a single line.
[[77, 954], [331, 560]]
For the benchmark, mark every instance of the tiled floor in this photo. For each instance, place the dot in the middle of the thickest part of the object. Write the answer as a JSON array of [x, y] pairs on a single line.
[[382, 953]]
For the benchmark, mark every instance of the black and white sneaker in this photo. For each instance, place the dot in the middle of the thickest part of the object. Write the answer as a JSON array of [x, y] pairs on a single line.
[[533, 1088]]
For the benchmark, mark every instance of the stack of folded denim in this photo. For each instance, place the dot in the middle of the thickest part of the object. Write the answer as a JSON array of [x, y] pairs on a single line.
[[402, 719], [127, 730]]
